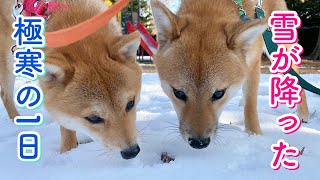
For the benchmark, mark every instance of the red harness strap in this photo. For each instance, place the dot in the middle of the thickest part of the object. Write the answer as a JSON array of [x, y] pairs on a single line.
[[38, 8]]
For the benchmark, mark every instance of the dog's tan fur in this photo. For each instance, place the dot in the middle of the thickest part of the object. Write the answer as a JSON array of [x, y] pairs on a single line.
[[204, 48], [95, 76], [6, 67]]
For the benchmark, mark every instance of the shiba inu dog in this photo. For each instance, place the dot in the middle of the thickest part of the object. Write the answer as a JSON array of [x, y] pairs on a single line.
[[206, 53], [91, 86]]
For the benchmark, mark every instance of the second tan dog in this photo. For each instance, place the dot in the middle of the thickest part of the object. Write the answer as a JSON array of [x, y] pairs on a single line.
[[91, 86], [206, 53]]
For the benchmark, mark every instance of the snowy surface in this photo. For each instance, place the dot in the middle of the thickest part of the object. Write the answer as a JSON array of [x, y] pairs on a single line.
[[234, 156]]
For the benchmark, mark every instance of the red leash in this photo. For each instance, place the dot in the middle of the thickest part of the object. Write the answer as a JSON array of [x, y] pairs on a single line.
[[75, 33]]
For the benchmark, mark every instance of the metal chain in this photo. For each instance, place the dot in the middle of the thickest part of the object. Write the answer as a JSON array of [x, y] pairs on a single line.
[[240, 6], [259, 3], [17, 9]]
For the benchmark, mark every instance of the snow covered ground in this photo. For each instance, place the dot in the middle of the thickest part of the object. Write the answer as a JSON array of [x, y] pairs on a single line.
[[234, 156]]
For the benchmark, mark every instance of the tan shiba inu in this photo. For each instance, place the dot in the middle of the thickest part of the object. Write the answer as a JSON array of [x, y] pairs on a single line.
[[91, 86], [206, 53]]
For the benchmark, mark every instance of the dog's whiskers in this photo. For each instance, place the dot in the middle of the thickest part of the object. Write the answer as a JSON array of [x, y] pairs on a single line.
[[175, 136], [145, 127], [108, 153], [176, 125], [227, 127], [174, 139], [216, 139]]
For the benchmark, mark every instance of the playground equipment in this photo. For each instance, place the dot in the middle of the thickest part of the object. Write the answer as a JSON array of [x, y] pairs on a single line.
[[108, 2], [147, 41], [131, 21], [131, 13]]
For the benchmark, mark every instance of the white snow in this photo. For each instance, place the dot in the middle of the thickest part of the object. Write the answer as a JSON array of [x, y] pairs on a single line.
[[235, 155]]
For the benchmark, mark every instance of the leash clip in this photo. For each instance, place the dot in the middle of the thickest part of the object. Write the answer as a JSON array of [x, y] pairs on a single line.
[[260, 13], [258, 6], [17, 9], [242, 10], [13, 49], [243, 15]]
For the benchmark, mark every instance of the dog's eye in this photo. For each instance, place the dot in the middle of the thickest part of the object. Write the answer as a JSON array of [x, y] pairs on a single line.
[[180, 94], [130, 105], [218, 95], [94, 119]]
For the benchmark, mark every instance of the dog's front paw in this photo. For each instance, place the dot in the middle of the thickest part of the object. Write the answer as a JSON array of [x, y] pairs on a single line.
[[303, 110], [13, 115], [68, 146], [304, 116], [254, 131]]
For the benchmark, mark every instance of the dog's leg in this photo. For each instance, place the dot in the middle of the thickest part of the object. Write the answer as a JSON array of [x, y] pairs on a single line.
[[68, 139], [303, 110], [7, 81], [250, 91]]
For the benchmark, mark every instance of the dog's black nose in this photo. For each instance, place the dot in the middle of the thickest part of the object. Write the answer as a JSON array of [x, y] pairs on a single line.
[[199, 143], [131, 152]]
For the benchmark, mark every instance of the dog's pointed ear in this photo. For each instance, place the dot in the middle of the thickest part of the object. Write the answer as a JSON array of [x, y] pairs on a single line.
[[126, 47], [244, 34], [167, 23], [54, 73], [58, 70]]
